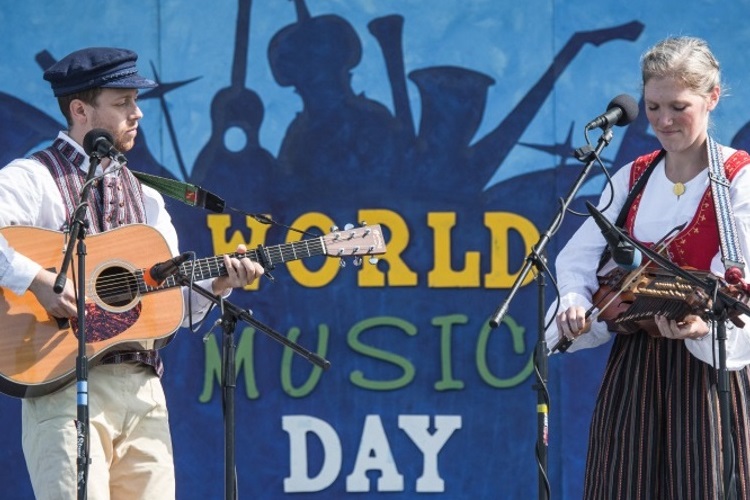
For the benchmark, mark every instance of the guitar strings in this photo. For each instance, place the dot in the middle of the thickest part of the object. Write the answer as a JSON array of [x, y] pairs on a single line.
[[114, 284], [211, 265]]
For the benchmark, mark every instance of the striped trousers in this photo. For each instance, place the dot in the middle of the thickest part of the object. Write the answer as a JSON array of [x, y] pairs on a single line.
[[656, 428]]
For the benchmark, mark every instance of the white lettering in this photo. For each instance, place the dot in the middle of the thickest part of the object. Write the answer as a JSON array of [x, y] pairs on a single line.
[[298, 426], [417, 428], [374, 454]]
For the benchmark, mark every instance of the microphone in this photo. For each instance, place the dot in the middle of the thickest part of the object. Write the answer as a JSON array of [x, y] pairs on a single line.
[[163, 270], [620, 111], [100, 141], [623, 253]]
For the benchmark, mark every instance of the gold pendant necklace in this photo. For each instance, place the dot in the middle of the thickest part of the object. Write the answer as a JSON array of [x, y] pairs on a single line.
[[678, 189]]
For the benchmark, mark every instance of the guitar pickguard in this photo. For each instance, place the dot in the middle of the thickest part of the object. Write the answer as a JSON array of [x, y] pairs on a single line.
[[102, 324]]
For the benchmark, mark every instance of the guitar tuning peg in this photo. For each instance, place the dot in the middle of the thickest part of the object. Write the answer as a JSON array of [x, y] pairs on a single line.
[[334, 228], [373, 260], [357, 261], [342, 263], [362, 223], [348, 227]]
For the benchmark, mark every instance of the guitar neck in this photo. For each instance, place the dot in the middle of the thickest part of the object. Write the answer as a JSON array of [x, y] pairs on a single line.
[[351, 242], [268, 256]]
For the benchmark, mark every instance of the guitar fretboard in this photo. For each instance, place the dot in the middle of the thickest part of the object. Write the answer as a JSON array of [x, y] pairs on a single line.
[[269, 256]]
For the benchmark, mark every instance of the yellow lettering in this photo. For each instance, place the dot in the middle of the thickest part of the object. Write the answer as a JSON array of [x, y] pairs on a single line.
[[442, 275], [398, 272], [298, 269], [219, 224], [500, 225], [506, 229]]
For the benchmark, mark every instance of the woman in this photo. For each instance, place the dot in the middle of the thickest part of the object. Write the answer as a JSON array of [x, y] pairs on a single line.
[[656, 428]]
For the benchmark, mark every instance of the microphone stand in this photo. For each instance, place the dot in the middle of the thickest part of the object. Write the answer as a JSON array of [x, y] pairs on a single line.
[[77, 234], [721, 305], [230, 314], [535, 259]]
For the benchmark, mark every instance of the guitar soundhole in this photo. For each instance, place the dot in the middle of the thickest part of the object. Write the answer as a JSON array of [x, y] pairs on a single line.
[[116, 287]]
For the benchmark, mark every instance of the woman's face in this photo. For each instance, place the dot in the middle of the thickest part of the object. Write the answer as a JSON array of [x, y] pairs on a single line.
[[678, 115]]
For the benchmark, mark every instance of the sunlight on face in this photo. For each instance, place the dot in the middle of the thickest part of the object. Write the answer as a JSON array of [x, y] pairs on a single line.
[[677, 114], [117, 111]]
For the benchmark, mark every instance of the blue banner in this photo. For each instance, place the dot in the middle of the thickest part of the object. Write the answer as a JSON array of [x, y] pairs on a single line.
[[448, 126]]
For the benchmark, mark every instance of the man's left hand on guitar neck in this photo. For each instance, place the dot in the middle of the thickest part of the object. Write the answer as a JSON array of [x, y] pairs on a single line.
[[240, 273]]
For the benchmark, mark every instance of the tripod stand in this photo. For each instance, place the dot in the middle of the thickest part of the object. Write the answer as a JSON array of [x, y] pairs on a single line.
[[230, 315]]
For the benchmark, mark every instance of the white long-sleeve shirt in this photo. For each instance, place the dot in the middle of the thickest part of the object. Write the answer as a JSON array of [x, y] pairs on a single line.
[[659, 211], [29, 196]]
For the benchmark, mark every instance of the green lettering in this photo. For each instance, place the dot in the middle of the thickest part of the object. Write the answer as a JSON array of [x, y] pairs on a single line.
[[519, 346], [243, 358], [357, 377], [316, 372], [446, 323]]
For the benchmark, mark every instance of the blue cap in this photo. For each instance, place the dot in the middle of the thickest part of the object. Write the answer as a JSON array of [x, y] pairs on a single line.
[[96, 67]]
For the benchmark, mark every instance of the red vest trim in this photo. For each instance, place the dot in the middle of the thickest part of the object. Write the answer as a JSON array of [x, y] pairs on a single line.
[[698, 242]]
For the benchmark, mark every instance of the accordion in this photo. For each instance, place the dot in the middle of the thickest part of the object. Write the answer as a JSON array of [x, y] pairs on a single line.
[[628, 302]]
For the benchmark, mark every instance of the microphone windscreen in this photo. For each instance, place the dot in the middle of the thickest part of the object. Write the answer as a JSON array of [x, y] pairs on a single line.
[[635, 264], [93, 136], [628, 106]]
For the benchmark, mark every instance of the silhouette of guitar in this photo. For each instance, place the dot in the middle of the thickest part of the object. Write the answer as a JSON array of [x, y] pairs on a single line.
[[123, 311], [233, 107]]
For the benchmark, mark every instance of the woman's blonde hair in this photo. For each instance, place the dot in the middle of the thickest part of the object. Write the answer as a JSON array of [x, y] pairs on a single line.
[[687, 59]]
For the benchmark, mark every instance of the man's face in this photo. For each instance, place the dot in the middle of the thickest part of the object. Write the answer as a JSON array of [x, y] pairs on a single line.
[[117, 111]]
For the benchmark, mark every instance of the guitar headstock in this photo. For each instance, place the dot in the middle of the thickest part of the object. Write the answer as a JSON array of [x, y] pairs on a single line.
[[355, 242]]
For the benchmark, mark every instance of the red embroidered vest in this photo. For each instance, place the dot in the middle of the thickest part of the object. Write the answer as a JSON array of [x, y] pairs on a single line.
[[696, 245]]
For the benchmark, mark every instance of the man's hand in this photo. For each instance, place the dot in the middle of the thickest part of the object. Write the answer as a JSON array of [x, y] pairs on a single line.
[[59, 305], [240, 273]]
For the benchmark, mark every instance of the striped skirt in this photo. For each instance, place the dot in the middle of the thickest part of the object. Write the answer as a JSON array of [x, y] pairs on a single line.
[[656, 428]]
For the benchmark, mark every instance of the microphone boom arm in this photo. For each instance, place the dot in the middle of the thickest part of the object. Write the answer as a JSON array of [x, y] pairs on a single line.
[[667, 264], [590, 158]]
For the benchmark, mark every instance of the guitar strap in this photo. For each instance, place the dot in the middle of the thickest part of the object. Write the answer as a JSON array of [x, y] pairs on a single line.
[[189, 194], [638, 186]]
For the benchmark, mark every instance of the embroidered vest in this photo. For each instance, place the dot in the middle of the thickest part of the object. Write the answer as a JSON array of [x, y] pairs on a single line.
[[114, 200], [697, 243]]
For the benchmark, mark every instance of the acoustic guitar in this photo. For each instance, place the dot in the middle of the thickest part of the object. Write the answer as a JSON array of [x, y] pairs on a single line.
[[123, 310]]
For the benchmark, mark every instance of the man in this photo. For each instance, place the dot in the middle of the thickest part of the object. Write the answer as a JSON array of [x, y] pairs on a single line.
[[130, 445]]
